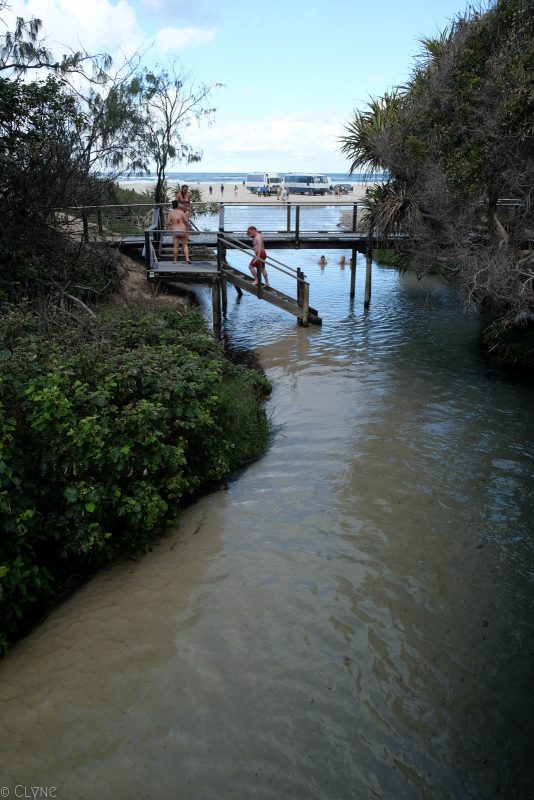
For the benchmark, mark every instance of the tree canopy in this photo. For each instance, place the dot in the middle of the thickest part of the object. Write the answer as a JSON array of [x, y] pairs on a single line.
[[65, 138], [457, 143]]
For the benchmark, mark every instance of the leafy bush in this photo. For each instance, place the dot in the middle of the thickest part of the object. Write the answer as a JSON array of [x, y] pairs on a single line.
[[102, 436]]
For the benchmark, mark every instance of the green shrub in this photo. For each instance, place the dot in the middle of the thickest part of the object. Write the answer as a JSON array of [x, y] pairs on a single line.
[[101, 437]]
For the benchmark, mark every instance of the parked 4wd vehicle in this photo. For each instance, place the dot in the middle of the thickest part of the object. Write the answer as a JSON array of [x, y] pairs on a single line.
[[342, 188]]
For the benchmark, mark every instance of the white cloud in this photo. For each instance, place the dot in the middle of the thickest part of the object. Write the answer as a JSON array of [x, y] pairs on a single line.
[[170, 39], [279, 143], [100, 26]]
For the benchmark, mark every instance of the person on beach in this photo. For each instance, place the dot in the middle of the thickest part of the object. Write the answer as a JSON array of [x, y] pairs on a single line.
[[210, 190], [183, 198], [177, 221], [235, 190], [222, 189], [258, 262]]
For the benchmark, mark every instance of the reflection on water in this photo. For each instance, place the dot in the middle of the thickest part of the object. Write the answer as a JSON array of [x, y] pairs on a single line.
[[351, 618]]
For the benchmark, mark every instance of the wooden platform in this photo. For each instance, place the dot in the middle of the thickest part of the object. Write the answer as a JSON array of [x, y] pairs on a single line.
[[197, 269]]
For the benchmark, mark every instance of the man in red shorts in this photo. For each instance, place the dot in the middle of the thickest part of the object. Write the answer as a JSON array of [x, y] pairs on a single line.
[[259, 257]]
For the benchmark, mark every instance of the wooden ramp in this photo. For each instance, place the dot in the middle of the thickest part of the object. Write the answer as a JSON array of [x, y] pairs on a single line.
[[270, 295]]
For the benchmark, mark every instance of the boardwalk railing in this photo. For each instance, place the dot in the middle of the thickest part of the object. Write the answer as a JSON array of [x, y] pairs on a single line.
[[115, 222], [118, 222], [293, 218], [225, 243]]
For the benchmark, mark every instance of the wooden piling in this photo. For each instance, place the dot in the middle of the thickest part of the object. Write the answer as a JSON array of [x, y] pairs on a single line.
[[224, 294], [300, 278], [305, 304], [216, 303], [368, 264], [303, 297], [353, 275]]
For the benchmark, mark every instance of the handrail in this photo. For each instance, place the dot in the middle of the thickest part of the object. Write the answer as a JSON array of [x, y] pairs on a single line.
[[155, 221], [224, 242], [303, 286], [199, 208], [272, 262], [235, 244]]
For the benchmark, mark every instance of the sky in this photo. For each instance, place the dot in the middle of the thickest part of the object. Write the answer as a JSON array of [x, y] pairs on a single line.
[[293, 71]]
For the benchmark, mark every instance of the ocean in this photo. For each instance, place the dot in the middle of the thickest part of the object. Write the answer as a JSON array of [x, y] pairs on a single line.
[[238, 177]]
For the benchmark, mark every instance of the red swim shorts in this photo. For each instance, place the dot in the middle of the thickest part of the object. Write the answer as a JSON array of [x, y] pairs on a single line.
[[263, 255]]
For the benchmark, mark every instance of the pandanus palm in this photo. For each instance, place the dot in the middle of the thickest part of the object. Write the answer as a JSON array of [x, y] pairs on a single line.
[[390, 208], [362, 140]]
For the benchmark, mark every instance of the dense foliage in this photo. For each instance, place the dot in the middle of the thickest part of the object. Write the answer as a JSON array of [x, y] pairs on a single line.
[[458, 145], [40, 170], [101, 437], [109, 416], [64, 140]]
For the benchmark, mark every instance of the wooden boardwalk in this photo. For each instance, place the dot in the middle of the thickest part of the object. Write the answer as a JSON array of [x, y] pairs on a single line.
[[294, 229], [278, 240]]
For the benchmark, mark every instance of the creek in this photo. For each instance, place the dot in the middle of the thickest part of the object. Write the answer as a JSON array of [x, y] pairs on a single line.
[[350, 617]]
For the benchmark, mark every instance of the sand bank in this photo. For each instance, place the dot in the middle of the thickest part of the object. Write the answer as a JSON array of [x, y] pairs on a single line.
[[242, 195]]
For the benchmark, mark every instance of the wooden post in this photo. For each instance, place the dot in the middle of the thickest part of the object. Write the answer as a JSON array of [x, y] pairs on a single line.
[[297, 225], [99, 217], [300, 278], [353, 275], [368, 263], [148, 255], [157, 236], [305, 304], [355, 217], [224, 294], [221, 217], [288, 217], [85, 223], [216, 304], [303, 297]]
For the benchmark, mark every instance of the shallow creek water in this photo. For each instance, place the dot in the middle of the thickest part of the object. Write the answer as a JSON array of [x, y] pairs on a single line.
[[352, 617]]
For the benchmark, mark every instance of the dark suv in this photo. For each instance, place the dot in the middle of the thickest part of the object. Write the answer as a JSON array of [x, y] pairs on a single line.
[[342, 188]]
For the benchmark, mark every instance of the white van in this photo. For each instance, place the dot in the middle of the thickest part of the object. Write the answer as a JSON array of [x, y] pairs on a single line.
[[268, 182], [298, 183]]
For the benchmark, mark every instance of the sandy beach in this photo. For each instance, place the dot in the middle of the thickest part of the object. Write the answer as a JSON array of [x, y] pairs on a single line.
[[242, 195]]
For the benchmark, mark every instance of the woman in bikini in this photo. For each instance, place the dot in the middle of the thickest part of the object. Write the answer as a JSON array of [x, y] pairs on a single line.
[[177, 221]]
